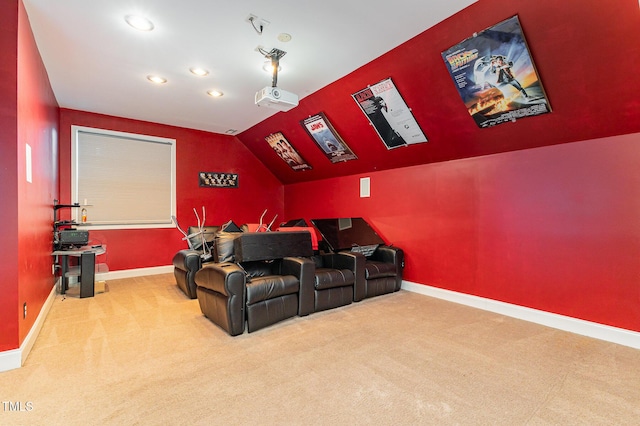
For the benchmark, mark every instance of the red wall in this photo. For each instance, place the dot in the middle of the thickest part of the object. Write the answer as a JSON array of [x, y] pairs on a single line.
[[553, 228], [195, 151], [9, 174], [28, 116], [38, 127], [541, 213]]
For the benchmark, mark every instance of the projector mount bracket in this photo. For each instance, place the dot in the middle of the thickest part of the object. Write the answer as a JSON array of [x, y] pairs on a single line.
[[274, 55]]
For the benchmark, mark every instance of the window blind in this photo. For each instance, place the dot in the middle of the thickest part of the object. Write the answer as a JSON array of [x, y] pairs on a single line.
[[127, 180]]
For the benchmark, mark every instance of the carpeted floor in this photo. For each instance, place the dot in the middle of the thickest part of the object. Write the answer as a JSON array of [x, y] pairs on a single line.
[[142, 353]]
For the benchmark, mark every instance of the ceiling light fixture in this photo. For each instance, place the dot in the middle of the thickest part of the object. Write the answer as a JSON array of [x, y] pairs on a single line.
[[273, 57], [156, 79], [201, 72], [268, 67], [215, 93], [139, 22]]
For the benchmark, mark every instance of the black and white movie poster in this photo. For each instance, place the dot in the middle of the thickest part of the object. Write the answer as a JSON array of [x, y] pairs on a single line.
[[325, 136], [495, 75], [289, 155], [388, 113], [218, 180]]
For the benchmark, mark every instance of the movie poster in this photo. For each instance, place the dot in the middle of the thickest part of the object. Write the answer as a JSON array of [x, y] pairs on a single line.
[[495, 75], [325, 136], [289, 155], [388, 113]]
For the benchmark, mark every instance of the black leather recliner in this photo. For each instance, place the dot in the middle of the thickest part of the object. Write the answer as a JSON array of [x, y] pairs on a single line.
[[267, 279], [189, 261], [382, 272], [335, 279], [379, 270], [338, 277]]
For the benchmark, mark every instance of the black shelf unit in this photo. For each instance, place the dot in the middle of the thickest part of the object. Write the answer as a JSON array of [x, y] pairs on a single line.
[[86, 268], [59, 225]]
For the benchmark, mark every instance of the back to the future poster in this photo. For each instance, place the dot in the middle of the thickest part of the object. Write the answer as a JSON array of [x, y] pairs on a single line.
[[495, 75]]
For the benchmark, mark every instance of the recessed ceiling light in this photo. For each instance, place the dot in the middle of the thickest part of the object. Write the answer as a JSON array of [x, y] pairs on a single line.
[[156, 79], [215, 93], [230, 131], [198, 71], [139, 22]]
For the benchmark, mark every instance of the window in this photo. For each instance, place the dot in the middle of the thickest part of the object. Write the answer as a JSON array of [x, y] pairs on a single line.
[[126, 180]]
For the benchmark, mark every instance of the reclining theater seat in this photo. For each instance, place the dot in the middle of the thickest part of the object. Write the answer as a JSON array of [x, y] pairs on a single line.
[[189, 261], [381, 264], [335, 279], [267, 281], [382, 272]]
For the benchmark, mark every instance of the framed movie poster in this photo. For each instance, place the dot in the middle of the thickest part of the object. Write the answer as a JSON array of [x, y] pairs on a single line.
[[389, 115], [218, 179], [495, 75], [325, 136], [289, 155]]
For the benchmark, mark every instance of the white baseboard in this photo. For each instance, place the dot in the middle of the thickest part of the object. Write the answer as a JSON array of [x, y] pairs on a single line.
[[131, 273], [586, 328], [10, 360], [14, 358]]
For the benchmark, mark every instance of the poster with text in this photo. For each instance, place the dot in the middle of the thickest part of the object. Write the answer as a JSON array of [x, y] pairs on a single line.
[[388, 113], [325, 136], [495, 75], [283, 148]]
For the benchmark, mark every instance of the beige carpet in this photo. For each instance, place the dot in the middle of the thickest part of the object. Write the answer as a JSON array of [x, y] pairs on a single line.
[[142, 353]]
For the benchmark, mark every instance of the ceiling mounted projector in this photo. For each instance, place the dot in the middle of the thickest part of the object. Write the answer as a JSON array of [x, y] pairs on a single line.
[[273, 97]]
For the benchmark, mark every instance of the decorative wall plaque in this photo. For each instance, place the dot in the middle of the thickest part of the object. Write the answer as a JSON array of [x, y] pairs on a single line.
[[218, 180]]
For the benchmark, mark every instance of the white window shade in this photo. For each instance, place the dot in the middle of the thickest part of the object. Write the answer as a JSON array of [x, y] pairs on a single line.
[[127, 180]]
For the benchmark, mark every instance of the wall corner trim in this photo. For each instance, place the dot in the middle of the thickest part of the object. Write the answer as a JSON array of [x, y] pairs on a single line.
[[573, 325]]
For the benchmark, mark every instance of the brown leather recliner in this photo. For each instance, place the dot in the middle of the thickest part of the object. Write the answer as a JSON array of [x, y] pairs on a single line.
[[267, 279]]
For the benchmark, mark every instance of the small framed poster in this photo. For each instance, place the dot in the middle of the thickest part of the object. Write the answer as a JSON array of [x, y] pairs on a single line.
[[288, 153], [327, 139], [389, 114]]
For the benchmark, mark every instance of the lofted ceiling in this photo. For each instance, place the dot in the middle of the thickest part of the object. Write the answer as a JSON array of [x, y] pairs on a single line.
[[98, 63], [589, 97]]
